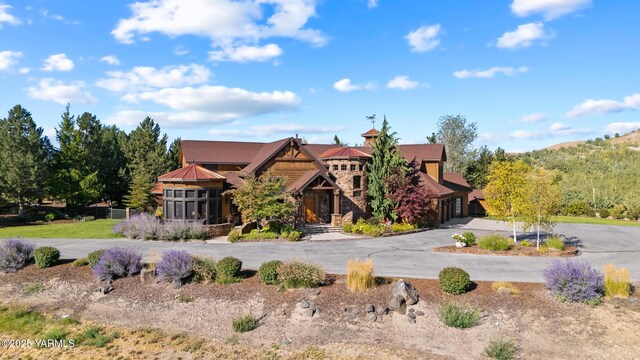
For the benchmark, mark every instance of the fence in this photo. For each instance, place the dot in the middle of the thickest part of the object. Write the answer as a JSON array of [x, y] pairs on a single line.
[[118, 213]]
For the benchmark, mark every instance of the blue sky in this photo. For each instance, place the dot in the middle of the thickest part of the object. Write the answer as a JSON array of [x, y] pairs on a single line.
[[530, 72]]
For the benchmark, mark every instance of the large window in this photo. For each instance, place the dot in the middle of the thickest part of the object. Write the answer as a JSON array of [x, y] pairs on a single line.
[[193, 204], [357, 182]]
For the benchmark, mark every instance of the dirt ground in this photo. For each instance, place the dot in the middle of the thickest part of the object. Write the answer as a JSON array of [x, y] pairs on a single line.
[[543, 327]]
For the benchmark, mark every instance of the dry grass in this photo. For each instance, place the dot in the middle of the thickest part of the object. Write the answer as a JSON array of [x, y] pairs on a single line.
[[503, 284], [360, 275], [617, 281]]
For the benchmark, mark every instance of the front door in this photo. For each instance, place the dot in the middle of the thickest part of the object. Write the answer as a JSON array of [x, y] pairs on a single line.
[[459, 207], [310, 209]]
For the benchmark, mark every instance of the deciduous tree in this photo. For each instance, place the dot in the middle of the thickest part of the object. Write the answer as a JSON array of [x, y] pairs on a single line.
[[506, 192], [414, 203], [457, 135], [542, 202]]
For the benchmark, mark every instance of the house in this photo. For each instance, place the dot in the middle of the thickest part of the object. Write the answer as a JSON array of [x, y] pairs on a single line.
[[477, 203], [327, 181]]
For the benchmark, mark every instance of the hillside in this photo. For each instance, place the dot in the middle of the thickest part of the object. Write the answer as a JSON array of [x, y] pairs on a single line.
[[632, 138]]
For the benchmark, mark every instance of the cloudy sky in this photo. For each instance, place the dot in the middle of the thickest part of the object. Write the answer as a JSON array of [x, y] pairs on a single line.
[[529, 72]]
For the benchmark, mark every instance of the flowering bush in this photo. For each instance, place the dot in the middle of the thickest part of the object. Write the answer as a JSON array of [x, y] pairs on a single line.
[[147, 227], [182, 230], [118, 262], [14, 254], [574, 281], [297, 274], [175, 265]]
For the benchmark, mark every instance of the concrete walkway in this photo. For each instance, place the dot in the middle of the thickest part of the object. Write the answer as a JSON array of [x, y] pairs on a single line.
[[401, 256]]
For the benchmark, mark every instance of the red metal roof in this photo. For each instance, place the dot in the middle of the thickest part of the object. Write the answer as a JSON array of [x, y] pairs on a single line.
[[476, 194], [371, 133], [343, 153], [456, 179], [190, 172], [157, 188]]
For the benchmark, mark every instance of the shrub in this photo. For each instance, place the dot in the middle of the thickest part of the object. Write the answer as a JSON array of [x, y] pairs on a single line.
[[604, 213], [94, 336], [294, 236], [94, 257], [402, 227], [204, 269], [347, 228], [579, 208], [555, 242], [175, 265], [234, 235], [80, 262], [298, 274], [244, 323], [469, 238], [618, 211], [255, 235], [50, 216], [497, 285], [14, 254], [494, 242], [360, 275], [182, 230], [502, 349], [86, 218], [46, 256], [268, 272], [140, 226], [373, 230], [118, 262], [454, 280], [574, 281], [459, 316], [525, 243], [228, 270], [617, 282]]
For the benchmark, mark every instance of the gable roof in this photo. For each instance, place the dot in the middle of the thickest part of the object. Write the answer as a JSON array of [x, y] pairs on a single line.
[[432, 184], [343, 153], [307, 178], [190, 173], [456, 181], [476, 194], [266, 152], [423, 152], [219, 152]]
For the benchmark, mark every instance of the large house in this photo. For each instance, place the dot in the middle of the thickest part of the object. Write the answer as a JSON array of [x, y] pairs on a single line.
[[328, 182]]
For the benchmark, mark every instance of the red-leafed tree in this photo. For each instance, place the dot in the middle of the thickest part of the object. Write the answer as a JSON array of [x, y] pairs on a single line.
[[414, 203]]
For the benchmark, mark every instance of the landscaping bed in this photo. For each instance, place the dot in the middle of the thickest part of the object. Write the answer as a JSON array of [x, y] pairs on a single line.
[[514, 250]]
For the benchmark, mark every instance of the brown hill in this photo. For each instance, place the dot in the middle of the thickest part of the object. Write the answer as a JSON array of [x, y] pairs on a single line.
[[632, 138]]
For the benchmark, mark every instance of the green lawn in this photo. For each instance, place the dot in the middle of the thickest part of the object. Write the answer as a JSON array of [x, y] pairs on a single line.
[[97, 229], [586, 220]]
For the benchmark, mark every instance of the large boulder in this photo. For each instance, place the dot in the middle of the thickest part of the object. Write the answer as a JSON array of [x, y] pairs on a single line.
[[406, 291], [398, 304]]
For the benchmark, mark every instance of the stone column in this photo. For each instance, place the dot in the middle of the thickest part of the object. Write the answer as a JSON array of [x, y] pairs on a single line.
[[336, 202]]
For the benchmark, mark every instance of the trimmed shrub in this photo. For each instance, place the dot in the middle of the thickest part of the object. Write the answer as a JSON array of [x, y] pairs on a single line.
[[228, 270], [14, 254], [454, 280], [80, 262], [268, 272], [204, 269], [469, 238], [505, 285], [175, 265], [294, 236], [50, 216], [618, 211], [402, 227], [604, 213], [348, 228], [94, 257], [244, 323], [574, 281], [458, 316], [255, 235], [494, 242], [501, 349], [46, 256], [617, 282], [555, 242], [298, 274], [118, 262], [234, 235], [360, 275]]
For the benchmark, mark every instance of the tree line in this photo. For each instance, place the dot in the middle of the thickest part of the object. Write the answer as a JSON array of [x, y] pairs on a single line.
[[92, 163]]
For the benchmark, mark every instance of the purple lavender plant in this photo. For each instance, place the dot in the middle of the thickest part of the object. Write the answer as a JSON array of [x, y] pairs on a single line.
[[182, 230], [175, 265], [140, 226], [118, 262], [14, 254], [574, 281]]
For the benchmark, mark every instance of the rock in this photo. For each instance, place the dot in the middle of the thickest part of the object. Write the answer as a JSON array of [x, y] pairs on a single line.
[[406, 291], [411, 315], [369, 308], [310, 311], [381, 310], [412, 310], [105, 289], [412, 320], [504, 291], [313, 292], [371, 316], [303, 304], [351, 313], [419, 313], [398, 304], [147, 275], [177, 284]]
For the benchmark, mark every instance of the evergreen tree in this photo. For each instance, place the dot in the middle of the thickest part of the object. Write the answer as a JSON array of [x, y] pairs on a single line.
[[24, 158], [478, 168], [174, 154], [112, 165], [139, 196], [385, 157]]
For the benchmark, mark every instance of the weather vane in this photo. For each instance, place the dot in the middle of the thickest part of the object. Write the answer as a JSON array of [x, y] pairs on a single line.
[[372, 118]]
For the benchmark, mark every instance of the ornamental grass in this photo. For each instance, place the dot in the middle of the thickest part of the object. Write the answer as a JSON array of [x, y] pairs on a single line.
[[617, 281], [360, 275]]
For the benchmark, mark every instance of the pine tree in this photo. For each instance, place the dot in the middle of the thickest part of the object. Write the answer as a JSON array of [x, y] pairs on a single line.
[[112, 165], [24, 158], [139, 196], [174, 154]]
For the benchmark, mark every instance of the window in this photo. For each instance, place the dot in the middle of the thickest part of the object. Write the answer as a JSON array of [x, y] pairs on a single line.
[[335, 167], [178, 193], [178, 213], [169, 209], [193, 204], [357, 182], [168, 193], [343, 167], [357, 194], [352, 167], [191, 194], [361, 167]]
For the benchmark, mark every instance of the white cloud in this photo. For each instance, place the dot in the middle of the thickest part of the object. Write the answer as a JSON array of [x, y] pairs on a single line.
[[345, 85], [558, 126], [246, 53], [61, 93], [47, 14], [490, 73], [605, 106], [402, 82], [372, 4], [424, 38], [57, 62], [7, 18], [550, 9], [556, 129], [526, 135], [523, 36], [146, 78], [622, 127], [228, 24], [8, 59], [180, 50], [266, 130], [24, 70], [111, 60], [533, 118], [184, 119]]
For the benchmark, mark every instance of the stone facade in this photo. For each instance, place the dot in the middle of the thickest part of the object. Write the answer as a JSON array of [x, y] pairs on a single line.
[[351, 178]]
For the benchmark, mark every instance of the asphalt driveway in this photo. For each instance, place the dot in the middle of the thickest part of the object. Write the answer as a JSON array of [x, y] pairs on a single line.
[[400, 256]]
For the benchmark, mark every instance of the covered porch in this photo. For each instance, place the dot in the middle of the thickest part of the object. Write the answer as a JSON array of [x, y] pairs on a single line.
[[318, 198]]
